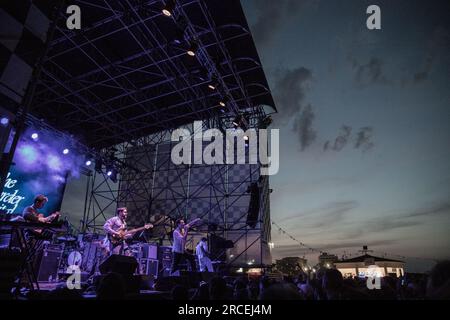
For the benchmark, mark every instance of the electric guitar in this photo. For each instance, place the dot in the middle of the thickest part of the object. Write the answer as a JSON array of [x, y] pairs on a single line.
[[122, 233]]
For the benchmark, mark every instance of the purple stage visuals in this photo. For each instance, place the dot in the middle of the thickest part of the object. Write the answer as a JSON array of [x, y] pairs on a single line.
[[42, 164]]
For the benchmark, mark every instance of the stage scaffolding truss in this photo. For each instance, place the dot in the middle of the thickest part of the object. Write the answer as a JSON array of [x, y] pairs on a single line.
[[122, 83], [154, 189]]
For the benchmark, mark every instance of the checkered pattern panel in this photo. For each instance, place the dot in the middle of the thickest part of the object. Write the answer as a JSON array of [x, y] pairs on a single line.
[[135, 218], [200, 181], [239, 173], [23, 33], [218, 180], [201, 190], [168, 206], [199, 208], [237, 208]]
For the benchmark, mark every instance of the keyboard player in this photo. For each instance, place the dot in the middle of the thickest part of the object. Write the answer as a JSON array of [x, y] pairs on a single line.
[[31, 213]]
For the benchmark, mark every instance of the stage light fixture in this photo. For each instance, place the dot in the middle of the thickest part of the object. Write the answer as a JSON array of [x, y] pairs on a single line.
[[168, 8], [4, 121], [211, 86], [237, 122], [88, 163], [112, 174], [192, 50], [222, 104], [66, 151], [34, 136]]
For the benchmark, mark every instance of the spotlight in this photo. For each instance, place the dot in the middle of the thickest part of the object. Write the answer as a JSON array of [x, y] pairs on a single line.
[[237, 121], [192, 50], [112, 174], [211, 86], [34, 136], [222, 104], [88, 163], [66, 151], [4, 121], [168, 8]]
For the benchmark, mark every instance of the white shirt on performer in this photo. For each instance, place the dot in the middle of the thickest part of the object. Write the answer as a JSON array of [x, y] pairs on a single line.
[[200, 249]]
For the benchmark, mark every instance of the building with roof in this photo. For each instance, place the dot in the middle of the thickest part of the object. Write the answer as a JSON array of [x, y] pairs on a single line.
[[358, 266], [290, 265], [327, 260]]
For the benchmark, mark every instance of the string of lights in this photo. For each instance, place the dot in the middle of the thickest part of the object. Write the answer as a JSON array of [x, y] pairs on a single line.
[[280, 229]]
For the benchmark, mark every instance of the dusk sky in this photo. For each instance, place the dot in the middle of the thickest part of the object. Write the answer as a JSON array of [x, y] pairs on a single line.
[[364, 126], [364, 119]]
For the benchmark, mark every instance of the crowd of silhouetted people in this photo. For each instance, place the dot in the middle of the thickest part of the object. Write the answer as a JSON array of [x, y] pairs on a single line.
[[325, 284]]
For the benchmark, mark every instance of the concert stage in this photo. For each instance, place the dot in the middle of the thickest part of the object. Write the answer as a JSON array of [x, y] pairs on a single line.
[[102, 104]]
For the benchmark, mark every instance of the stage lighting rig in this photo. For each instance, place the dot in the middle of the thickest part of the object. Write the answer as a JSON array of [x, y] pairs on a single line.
[[168, 8], [192, 50], [4, 121]]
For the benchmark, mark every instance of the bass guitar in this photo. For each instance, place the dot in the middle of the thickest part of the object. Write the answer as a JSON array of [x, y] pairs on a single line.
[[122, 234]]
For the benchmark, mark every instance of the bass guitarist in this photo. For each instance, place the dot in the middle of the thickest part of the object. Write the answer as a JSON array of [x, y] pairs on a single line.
[[117, 233]]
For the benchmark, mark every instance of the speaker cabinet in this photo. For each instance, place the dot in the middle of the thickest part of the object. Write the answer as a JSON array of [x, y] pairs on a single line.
[[123, 265]]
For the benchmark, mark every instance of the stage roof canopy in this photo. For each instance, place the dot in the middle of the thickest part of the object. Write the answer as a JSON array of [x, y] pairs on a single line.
[[127, 74]]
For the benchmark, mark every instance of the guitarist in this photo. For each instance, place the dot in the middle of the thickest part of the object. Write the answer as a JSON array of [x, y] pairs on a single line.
[[117, 233], [112, 228], [179, 243]]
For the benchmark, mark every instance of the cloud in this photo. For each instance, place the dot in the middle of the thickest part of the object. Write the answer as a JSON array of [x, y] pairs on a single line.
[[304, 128], [438, 43], [433, 209], [290, 89], [269, 19], [364, 139], [336, 247], [272, 14], [369, 73], [358, 234], [357, 244], [399, 220], [340, 141], [387, 224], [324, 215], [289, 92], [336, 214]]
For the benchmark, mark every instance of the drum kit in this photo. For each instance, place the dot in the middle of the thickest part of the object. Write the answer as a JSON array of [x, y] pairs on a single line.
[[86, 251]]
